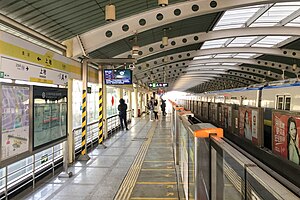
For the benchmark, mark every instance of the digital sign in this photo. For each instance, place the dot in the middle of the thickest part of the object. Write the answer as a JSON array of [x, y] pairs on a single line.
[[156, 85], [118, 76]]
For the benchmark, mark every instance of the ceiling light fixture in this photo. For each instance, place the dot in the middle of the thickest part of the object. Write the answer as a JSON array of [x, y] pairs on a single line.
[[165, 38], [135, 47], [163, 3], [110, 12]]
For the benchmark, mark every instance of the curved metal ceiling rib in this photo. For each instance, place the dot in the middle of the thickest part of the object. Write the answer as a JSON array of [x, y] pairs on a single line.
[[156, 48], [97, 38]]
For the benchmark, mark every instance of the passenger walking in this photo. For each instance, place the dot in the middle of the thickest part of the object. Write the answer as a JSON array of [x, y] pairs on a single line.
[[163, 107], [155, 110], [122, 107]]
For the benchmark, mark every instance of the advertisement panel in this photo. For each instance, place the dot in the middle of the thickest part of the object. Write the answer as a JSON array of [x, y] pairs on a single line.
[[49, 115], [249, 125], [15, 120], [285, 129]]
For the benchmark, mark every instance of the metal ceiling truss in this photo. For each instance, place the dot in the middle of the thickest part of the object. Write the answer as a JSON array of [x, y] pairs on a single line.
[[247, 76], [258, 62], [258, 50], [185, 40], [113, 32], [215, 85], [174, 66], [165, 60], [239, 79]]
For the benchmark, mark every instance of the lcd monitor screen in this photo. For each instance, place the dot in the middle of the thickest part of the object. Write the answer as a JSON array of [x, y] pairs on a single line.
[[118, 76]]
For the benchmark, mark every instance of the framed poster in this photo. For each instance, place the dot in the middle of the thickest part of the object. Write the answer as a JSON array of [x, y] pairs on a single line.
[[49, 115], [14, 120], [285, 134], [250, 124]]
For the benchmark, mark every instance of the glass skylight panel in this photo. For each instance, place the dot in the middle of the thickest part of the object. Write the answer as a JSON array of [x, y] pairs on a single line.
[[274, 15], [223, 55], [201, 57], [245, 55], [271, 41], [262, 45], [295, 22], [214, 44], [225, 63], [236, 18]]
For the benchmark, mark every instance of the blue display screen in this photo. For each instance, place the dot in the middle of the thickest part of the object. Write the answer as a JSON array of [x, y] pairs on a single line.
[[118, 76]]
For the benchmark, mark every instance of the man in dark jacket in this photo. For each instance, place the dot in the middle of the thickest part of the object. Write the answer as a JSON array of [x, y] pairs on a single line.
[[122, 107]]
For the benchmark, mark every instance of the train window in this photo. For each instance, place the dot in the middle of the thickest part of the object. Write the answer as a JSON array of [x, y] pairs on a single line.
[[287, 103], [279, 102], [283, 102]]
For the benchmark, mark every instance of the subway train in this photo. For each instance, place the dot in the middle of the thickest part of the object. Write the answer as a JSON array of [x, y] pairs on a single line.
[[269, 97]]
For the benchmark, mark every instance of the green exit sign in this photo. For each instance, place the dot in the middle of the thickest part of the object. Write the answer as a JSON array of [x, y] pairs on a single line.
[[1, 74]]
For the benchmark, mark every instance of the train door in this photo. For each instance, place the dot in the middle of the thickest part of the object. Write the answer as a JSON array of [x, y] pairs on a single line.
[[283, 102]]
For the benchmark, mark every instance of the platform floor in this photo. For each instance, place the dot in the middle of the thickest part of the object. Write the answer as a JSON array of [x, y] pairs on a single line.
[[137, 164]]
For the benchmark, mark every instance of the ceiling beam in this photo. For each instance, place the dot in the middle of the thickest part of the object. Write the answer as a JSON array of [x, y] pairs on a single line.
[[97, 38]]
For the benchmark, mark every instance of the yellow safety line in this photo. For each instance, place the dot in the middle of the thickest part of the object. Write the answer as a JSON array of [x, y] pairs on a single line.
[[157, 161], [156, 183], [152, 198], [171, 169]]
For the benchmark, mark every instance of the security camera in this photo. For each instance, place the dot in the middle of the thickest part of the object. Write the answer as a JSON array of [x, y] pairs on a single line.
[[131, 66]]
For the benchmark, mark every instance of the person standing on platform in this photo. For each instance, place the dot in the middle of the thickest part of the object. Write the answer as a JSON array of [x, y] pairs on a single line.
[[122, 108], [163, 107], [151, 106], [155, 109]]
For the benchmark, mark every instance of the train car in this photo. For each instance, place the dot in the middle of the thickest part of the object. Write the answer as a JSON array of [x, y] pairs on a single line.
[[282, 95]]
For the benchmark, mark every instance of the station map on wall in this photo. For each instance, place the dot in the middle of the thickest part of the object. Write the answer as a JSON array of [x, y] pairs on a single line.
[[15, 120], [50, 115]]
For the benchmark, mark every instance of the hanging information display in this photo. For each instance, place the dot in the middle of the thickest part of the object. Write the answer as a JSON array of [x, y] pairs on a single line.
[[15, 120], [49, 115]]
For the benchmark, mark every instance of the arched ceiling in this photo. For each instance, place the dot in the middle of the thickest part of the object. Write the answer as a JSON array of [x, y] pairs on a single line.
[[212, 44]]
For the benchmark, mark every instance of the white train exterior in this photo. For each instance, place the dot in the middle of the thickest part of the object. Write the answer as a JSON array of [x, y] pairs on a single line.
[[281, 95]]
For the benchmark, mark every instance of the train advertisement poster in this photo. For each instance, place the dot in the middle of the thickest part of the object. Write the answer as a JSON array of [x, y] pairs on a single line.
[[49, 115], [227, 117], [15, 120], [249, 124], [285, 129]]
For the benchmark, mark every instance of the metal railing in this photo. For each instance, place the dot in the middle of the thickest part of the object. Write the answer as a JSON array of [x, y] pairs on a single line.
[[212, 168], [113, 125], [27, 171]]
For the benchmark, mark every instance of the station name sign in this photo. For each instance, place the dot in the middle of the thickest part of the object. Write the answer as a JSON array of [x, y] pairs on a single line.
[[156, 85]]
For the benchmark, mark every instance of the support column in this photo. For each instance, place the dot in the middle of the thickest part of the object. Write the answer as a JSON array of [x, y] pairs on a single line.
[[71, 141], [141, 103], [100, 120], [120, 93], [84, 156], [136, 102], [145, 102], [130, 102]]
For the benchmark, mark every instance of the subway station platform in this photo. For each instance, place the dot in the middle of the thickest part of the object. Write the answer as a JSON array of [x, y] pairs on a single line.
[[137, 164]]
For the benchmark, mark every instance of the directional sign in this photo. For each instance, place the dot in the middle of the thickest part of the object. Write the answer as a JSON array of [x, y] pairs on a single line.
[[1, 74], [155, 85], [21, 70]]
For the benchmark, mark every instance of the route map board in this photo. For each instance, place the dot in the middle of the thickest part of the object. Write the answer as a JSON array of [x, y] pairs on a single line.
[[15, 120], [49, 115]]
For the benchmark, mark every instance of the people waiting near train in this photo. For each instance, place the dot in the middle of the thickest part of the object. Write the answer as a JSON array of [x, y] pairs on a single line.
[[151, 107], [122, 108], [293, 141]]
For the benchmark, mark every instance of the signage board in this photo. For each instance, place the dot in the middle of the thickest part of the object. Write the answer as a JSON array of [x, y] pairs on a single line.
[[26, 71], [155, 85]]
